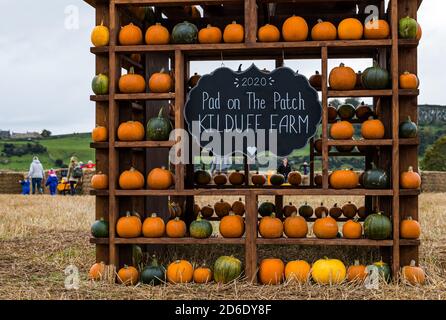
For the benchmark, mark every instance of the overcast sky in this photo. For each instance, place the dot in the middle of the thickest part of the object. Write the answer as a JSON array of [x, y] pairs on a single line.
[[47, 68]]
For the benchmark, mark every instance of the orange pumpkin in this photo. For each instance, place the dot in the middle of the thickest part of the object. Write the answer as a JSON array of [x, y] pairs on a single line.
[[324, 30], [413, 274], [159, 179], [210, 34], [99, 181], [160, 82], [356, 272], [129, 226], [202, 275], [234, 33], [157, 34], [372, 129], [176, 228], [99, 134], [180, 271], [350, 29], [271, 271], [352, 229], [128, 275], [269, 33], [297, 270], [342, 78], [131, 131], [410, 228], [295, 29], [153, 227], [342, 130], [325, 227], [130, 35], [131, 180], [376, 29], [419, 32], [409, 81], [132, 83], [232, 226], [270, 227], [344, 179], [97, 271], [410, 179], [295, 226]]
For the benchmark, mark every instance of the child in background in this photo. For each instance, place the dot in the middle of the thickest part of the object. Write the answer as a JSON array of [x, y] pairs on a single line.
[[26, 186], [52, 182]]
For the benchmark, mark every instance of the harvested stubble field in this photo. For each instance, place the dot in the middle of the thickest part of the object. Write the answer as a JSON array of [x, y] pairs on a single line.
[[40, 236]]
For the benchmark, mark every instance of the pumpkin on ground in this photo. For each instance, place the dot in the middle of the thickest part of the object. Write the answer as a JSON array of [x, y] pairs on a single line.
[[130, 35], [184, 33], [319, 211], [154, 274], [376, 29], [350, 29], [342, 130], [289, 209], [356, 272], [316, 80], [383, 270], [266, 208], [269, 33], [277, 179], [238, 207], [220, 179], [258, 179], [410, 228], [306, 210], [377, 226], [100, 36], [227, 269], [294, 178], [180, 271], [324, 31], [159, 179], [375, 178], [410, 179], [328, 271], [295, 29], [97, 271], [132, 82], [342, 78], [99, 229], [99, 134], [232, 226], [372, 129], [375, 78], [128, 275], [222, 208], [297, 271], [129, 226], [408, 28], [176, 228], [200, 229], [202, 177], [153, 227], [159, 128], [234, 33], [157, 34], [131, 180], [409, 81], [131, 131], [99, 181], [99, 84], [408, 129], [335, 212], [344, 179], [346, 111], [352, 229], [413, 274], [295, 226], [271, 271], [202, 275], [210, 34], [237, 178], [271, 227], [325, 228]]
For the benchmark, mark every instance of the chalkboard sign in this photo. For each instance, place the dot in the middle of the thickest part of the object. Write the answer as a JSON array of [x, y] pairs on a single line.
[[251, 111]]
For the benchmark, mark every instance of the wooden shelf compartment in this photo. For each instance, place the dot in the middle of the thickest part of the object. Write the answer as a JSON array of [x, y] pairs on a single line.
[[176, 241], [133, 144], [335, 242], [134, 97], [362, 142], [370, 93]]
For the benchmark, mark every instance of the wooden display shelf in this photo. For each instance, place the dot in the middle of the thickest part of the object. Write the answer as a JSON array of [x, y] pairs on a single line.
[[362, 142], [133, 144], [134, 97], [370, 93], [165, 240], [335, 242]]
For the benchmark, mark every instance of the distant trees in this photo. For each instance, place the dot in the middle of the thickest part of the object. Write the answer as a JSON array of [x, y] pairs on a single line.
[[46, 133], [10, 149], [435, 156]]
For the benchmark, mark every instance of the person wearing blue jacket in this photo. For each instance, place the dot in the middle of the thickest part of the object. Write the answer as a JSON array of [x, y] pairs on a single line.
[[52, 182], [26, 186]]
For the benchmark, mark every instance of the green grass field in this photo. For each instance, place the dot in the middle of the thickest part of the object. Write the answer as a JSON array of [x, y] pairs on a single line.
[[59, 147]]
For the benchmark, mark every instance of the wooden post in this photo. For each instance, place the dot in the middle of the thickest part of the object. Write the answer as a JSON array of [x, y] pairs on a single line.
[[251, 236], [250, 21], [324, 73]]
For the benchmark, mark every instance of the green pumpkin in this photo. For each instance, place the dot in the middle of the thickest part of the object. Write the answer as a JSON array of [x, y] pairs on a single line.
[[99, 85], [306, 210], [202, 177], [407, 28], [266, 209], [383, 270], [375, 178], [377, 227], [200, 229], [277, 179], [408, 129], [346, 111], [227, 269], [375, 78], [154, 274], [99, 229], [159, 128], [185, 32]]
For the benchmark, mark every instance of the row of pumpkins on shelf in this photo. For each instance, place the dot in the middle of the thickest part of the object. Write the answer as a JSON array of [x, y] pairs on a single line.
[[295, 28], [272, 271]]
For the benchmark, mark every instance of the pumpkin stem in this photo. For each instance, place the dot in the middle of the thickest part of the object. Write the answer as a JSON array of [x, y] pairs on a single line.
[[153, 215], [234, 22], [356, 263], [410, 169], [409, 218], [341, 65], [102, 22], [131, 70], [240, 68], [177, 219], [409, 119], [162, 70], [320, 20], [209, 26], [412, 263], [128, 214], [160, 113]]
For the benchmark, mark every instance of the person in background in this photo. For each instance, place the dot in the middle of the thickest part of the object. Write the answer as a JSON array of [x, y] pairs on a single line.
[[36, 174], [26, 186], [52, 182], [284, 168], [74, 174]]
